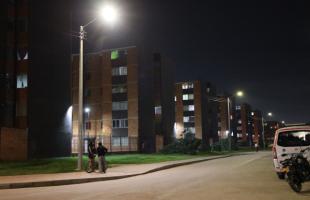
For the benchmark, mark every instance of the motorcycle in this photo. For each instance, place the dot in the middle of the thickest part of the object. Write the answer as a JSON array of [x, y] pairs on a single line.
[[297, 169]]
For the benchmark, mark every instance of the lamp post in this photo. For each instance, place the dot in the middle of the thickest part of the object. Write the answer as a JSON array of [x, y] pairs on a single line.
[[110, 15], [238, 94]]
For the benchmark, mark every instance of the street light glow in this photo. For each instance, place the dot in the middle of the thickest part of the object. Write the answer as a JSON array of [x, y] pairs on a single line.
[[270, 114], [109, 14], [87, 110], [240, 94]]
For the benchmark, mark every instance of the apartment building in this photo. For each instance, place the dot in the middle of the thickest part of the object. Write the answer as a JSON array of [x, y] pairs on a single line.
[[244, 124], [34, 60], [128, 99], [194, 111]]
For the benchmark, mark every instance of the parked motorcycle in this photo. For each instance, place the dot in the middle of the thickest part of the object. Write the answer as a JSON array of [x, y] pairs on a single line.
[[297, 169]]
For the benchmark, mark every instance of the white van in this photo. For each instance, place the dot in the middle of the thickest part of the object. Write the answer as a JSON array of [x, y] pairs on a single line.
[[289, 140]]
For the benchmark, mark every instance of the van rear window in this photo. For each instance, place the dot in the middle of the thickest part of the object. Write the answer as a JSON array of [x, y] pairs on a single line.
[[294, 138]]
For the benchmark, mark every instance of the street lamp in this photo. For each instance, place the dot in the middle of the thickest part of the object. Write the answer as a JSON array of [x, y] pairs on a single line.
[[110, 15], [270, 114], [228, 132]]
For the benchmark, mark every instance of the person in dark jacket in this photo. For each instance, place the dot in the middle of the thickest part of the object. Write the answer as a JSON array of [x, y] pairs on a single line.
[[101, 152], [91, 157]]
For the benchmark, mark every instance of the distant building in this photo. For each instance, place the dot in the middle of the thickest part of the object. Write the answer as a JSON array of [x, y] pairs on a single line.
[[257, 136], [34, 60], [226, 120], [270, 128], [194, 111], [244, 124], [129, 96]]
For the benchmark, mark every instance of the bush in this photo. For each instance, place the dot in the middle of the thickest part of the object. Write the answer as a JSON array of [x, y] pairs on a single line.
[[187, 145]]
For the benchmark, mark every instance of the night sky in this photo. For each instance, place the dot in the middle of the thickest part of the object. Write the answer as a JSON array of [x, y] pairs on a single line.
[[260, 47]]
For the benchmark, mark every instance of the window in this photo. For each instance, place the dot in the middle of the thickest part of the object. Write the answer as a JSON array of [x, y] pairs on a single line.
[[121, 105], [187, 86], [238, 107], [22, 81], [87, 92], [157, 110], [119, 88], [189, 119], [88, 125], [120, 123], [175, 98], [119, 71], [239, 121], [114, 55], [189, 108], [22, 54], [188, 96], [87, 76], [294, 138], [190, 130]]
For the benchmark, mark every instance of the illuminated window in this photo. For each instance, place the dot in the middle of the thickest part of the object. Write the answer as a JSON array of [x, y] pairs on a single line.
[[114, 55], [190, 130], [239, 121], [22, 81], [188, 97], [157, 110], [175, 98], [187, 86], [119, 71], [189, 108], [189, 119]]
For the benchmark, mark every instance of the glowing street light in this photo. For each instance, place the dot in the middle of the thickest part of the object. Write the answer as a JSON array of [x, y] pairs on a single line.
[[110, 15], [239, 94], [270, 114]]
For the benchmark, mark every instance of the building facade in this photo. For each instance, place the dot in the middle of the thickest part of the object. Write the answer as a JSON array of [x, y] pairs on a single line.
[[194, 111], [244, 124], [128, 96], [34, 60]]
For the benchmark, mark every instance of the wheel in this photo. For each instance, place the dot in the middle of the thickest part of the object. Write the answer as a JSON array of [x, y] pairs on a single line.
[[281, 175], [295, 183]]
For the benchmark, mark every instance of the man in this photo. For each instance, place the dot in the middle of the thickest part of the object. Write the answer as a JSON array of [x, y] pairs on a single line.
[[101, 151], [91, 157]]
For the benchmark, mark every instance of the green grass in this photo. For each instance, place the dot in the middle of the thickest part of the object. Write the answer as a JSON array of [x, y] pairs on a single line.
[[68, 164]]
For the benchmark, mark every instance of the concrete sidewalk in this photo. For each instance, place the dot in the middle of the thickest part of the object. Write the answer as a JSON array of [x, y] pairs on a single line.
[[118, 172]]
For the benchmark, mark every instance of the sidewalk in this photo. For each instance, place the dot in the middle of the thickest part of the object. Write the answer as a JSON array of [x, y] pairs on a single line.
[[117, 172]]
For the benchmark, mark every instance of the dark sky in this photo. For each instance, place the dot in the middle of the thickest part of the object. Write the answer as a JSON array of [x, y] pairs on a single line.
[[260, 47]]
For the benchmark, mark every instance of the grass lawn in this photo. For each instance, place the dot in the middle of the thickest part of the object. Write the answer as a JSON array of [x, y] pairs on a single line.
[[68, 164]]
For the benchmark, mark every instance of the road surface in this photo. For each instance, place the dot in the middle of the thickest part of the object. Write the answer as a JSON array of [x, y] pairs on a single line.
[[246, 177]]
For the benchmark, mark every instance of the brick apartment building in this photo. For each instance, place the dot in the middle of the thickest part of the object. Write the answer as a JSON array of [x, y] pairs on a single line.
[[34, 60], [244, 123], [194, 113], [128, 94]]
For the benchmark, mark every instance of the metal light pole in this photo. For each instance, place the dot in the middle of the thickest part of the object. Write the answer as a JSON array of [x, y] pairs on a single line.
[[263, 132], [110, 15], [228, 123], [80, 110]]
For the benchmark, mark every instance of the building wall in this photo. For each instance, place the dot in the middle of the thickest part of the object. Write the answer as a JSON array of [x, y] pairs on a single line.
[[139, 90], [13, 144], [179, 123], [198, 109]]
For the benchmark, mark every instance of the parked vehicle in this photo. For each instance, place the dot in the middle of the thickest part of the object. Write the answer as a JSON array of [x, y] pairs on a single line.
[[297, 168], [287, 141]]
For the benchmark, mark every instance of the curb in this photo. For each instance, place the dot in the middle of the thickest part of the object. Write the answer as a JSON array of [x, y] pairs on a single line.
[[88, 180]]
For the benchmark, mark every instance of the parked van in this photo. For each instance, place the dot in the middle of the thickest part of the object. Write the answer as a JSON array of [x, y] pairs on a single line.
[[289, 140]]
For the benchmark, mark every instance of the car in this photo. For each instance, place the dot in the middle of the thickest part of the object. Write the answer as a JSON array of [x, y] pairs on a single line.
[[289, 140]]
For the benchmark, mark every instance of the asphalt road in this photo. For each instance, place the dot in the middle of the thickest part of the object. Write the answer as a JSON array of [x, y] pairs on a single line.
[[241, 177]]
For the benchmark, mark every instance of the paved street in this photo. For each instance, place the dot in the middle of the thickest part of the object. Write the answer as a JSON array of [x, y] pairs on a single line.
[[240, 177]]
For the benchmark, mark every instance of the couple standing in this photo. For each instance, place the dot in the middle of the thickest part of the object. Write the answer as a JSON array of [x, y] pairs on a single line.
[[101, 151]]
